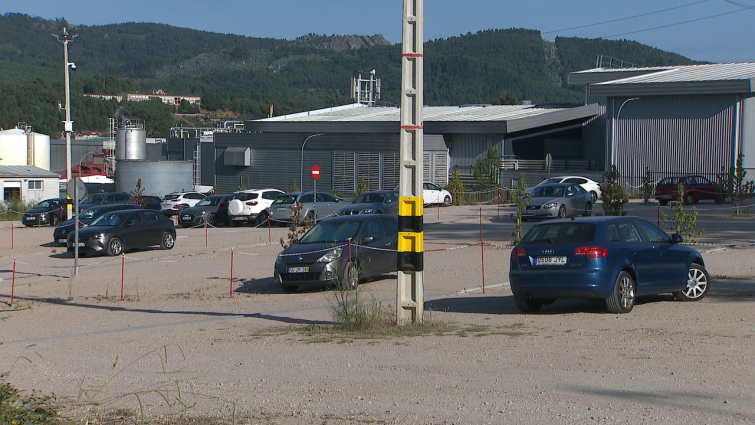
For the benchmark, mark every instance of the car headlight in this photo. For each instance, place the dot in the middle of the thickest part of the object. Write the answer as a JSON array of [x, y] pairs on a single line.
[[550, 205], [330, 256], [279, 259], [43, 217], [100, 236], [203, 212], [367, 211]]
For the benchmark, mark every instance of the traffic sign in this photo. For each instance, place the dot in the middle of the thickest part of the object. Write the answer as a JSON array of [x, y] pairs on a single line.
[[76, 189], [315, 172]]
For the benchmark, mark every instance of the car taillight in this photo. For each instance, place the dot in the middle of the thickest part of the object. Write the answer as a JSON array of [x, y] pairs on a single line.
[[252, 204], [591, 251], [518, 252]]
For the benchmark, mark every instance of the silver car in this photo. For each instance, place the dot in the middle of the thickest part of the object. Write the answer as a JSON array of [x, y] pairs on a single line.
[[327, 205], [558, 200]]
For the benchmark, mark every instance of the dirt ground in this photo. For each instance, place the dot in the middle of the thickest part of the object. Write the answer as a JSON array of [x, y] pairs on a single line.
[[180, 345]]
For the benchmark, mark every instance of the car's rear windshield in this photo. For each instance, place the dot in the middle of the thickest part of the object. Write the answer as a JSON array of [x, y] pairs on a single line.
[[670, 181], [546, 191], [243, 196], [556, 233], [285, 200], [370, 198], [170, 197]]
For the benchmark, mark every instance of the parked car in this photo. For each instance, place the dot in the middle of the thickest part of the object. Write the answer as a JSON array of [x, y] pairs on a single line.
[[60, 234], [433, 194], [46, 213], [589, 185], [696, 189], [373, 202], [327, 206], [118, 231], [104, 198], [558, 200], [614, 259], [250, 206], [211, 210], [176, 201], [321, 256], [152, 203]]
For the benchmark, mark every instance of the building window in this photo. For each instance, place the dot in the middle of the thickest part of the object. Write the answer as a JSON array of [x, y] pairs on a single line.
[[35, 185]]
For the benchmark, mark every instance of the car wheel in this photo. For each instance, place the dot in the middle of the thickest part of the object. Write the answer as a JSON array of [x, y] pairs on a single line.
[[310, 218], [622, 299], [689, 199], [697, 284], [593, 196], [261, 219], [588, 210], [211, 220], [167, 240], [527, 305], [115, 247], [290, 289], [562, 211], [447, 201]]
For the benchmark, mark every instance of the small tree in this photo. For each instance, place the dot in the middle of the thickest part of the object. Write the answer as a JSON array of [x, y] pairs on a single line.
[[614, 195], [682, 223], [740, 189], [361, 187], [521, 199], [485, 169], [295, 186], [137, 195], [298, 227], [648, 186], [456, 187]]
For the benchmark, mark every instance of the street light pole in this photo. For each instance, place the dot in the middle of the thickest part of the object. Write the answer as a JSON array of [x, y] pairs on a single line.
[[68, 124], [613, 137], [82, 160], [301, 167]]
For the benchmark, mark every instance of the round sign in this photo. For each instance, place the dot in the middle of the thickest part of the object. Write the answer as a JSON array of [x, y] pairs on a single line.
[[315, 172], [75, 189]]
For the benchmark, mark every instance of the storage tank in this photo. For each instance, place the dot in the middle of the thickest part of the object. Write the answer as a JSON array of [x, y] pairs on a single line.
[[158, 177], [38, 150], [130, 141], [18, 147]]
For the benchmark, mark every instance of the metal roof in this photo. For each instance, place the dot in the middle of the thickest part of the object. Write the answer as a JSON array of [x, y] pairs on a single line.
[[25, 171], [728, 78], [437, 119]]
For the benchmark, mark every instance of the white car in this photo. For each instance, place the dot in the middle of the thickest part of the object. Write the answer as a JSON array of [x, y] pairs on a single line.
[[250, 205], [432, 194], [173, 202], [591, 186]]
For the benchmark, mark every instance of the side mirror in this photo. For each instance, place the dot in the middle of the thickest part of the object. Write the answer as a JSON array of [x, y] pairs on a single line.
[[367, 240], [677, 238]]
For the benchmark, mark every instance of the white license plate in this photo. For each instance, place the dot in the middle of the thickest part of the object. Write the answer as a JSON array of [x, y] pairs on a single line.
[[62, 240], [80, 244], [282, 209], [30, 218], [186, 217], [550, 261], [239, 218], [298, 269]]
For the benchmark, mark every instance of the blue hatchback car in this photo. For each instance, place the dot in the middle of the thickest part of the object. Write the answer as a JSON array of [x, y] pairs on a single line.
[[609, 258]]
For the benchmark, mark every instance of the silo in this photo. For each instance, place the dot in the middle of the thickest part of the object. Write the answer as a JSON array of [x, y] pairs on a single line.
[[38, 150], [130, 141], [13, 147], [158, 177]]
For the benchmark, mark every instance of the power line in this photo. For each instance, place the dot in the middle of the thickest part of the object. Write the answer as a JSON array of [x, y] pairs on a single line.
[[746, 6], [629, 17], [681, 23]]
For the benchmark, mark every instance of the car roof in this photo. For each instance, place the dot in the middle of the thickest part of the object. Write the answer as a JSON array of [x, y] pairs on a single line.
[[257, 190], [380, 191], [556, 184], [359, 217], [592, 219]]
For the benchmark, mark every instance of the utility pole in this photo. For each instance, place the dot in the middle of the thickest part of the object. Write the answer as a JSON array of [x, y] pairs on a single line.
[[68, 124], [409, 288]]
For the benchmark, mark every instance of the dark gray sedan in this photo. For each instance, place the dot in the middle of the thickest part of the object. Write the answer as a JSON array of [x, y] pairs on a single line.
[[373, 202], [558, 200], [60, 234], [212, 210], [325, 256], [118, 231]]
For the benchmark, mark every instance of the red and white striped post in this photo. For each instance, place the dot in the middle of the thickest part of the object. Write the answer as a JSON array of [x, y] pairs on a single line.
[[205, 233], [12, 235], [13, 285], [482, 251], [123, 272], [231, 293], [351, 267]]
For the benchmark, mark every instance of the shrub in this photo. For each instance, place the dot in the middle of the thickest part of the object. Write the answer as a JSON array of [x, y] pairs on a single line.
[[456, 187], [520, 198], [684, 223], [614, 195]]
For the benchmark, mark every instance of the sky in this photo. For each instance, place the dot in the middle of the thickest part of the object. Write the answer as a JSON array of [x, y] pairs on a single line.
[[706, 30]]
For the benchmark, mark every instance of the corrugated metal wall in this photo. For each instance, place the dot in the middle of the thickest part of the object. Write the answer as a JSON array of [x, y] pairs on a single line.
[[674, 135], [748, 135], [465, 148], [596, 134]]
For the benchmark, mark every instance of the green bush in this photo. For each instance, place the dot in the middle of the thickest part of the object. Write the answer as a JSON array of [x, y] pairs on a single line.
[[17, 206]]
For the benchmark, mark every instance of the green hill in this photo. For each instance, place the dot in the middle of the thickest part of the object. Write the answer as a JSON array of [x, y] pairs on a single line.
[[244, 75]]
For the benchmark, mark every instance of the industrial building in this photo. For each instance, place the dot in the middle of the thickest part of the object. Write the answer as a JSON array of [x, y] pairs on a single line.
[[352, 142], [28, 183], [673, 119]]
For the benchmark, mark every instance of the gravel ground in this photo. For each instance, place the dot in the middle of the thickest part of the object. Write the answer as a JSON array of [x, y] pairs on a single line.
[[178, 329]]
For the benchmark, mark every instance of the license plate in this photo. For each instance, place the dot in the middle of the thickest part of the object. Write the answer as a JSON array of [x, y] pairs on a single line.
[[30, 218], [298, 269], [239, 218], [62, 240], [186, 217], [80, 244], [550, 261]]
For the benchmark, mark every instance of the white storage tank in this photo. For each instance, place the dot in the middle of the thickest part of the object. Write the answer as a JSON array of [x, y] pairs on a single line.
[[17, 147], [131, 141], [158, 177]]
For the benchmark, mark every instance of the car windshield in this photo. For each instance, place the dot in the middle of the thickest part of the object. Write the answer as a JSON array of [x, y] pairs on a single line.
[[46, 204], [170, 197], [94, 199], [243, 196], [370, 198], [109, 220], [90, 213], [549, 191], [332, 231], [208, 201], [285, 200], [557, 233], [552, 180]]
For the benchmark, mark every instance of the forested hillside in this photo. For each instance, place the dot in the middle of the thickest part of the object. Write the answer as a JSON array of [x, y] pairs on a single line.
[[241, 76]]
